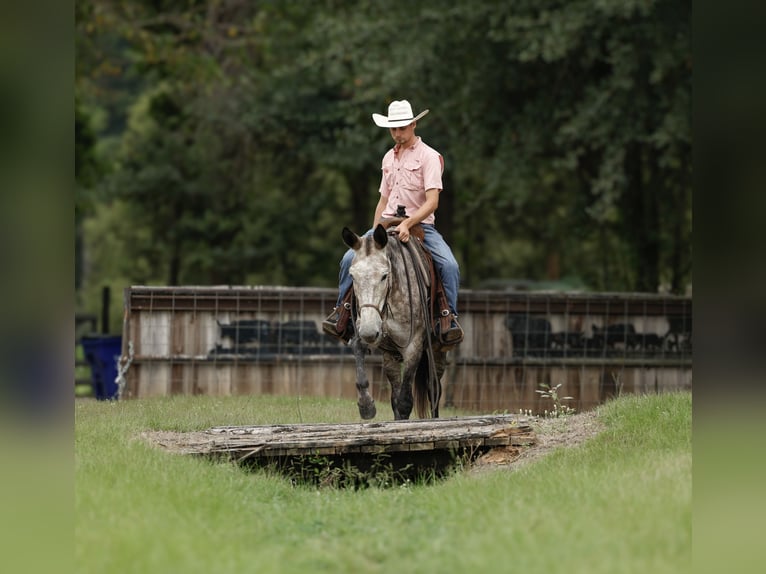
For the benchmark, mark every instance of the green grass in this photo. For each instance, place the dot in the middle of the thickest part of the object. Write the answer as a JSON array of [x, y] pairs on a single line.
[[621, 502]]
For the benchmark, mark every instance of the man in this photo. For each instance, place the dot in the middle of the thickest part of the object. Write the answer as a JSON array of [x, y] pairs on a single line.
[[412, 177]]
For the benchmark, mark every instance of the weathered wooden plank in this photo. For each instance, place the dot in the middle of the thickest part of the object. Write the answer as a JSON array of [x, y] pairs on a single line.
[[326, 438], [392, 448]]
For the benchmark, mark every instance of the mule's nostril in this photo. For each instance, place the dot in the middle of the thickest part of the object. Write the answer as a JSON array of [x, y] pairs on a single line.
[[370, 337]]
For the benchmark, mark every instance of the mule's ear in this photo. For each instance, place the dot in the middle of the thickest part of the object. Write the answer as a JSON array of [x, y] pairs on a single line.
[[351, 239], [380, 236]]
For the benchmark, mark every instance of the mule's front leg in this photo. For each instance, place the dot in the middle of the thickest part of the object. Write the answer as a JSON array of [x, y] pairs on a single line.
[[364, 401], [401, 391]]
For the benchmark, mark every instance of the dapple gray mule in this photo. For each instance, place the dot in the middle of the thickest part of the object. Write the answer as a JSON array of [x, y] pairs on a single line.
[[392, 292]]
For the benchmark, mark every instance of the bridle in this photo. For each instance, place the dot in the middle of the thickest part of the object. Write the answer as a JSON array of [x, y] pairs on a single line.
[[375, 307]]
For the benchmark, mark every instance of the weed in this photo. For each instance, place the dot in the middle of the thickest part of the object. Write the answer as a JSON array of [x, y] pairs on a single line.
[[617, 384], [559, 409], [331, 472]]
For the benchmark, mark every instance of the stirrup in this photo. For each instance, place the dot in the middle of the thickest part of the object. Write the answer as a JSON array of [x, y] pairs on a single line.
[[330, 324], [452, 335]]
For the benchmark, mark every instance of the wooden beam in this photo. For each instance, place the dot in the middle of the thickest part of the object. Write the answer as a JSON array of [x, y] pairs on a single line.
[[240, 442]]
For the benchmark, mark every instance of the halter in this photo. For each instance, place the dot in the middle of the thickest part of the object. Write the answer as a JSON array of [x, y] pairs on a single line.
[[371, 306]]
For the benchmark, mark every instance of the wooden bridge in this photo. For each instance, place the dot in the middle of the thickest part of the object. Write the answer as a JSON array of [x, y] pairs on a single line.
[[414, 444]]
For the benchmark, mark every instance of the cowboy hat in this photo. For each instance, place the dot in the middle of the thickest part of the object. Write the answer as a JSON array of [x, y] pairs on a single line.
[[399, 115]]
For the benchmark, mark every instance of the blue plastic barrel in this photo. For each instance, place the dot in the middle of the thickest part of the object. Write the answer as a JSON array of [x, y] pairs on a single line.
[[102, 354]]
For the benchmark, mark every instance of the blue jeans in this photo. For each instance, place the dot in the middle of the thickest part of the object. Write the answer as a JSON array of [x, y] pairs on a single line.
[[444, 261]]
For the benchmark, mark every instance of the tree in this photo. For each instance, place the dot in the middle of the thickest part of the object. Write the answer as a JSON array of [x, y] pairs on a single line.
[[564, 128]]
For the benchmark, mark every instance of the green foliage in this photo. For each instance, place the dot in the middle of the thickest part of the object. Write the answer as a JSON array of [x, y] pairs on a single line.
[[326, 472], [245, 140]]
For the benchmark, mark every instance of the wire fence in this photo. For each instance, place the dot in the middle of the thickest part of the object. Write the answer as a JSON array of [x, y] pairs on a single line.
[[249, 340]]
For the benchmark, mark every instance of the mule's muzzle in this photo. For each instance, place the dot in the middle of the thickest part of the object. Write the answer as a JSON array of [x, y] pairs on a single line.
[[370, 334], [370, 324]]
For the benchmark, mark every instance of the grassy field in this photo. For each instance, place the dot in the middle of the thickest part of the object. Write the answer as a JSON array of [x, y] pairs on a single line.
[[621, 502]]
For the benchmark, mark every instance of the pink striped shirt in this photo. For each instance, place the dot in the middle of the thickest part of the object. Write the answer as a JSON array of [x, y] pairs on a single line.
[[407, 174]]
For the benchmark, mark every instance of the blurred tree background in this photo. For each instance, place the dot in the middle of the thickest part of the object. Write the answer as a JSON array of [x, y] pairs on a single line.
[[229, 141]]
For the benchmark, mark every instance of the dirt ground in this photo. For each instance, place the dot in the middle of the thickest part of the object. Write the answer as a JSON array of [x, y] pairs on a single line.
[[550, 434]]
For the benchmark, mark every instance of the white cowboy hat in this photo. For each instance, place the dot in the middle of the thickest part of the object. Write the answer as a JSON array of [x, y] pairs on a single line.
[[399, 115]]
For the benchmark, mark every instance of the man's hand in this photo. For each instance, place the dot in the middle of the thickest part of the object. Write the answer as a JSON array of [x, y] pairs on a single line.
[[403, 229]]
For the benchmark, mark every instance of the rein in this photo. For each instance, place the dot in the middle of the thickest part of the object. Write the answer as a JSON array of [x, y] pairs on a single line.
[[422, 290], [416, 252]]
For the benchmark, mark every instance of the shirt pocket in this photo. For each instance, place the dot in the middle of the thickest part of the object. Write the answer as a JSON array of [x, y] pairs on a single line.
[[412, 175]]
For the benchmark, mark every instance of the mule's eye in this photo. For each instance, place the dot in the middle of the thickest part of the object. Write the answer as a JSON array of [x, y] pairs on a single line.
[[385, 276]]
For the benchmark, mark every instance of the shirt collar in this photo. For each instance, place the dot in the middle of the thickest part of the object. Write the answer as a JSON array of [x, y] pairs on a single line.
[[397, 147]]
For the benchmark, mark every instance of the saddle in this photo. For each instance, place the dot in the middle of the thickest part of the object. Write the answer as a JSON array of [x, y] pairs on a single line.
[[438, 309]]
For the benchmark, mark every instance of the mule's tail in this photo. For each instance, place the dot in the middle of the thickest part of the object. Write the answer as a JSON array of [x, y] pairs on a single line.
[[427, 389]]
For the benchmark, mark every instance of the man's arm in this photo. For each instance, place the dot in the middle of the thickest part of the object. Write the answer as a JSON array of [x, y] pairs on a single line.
[[382, 202]]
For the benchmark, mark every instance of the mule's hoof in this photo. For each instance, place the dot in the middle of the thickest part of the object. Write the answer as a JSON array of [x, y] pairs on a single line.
[[367, 410]]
